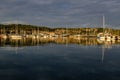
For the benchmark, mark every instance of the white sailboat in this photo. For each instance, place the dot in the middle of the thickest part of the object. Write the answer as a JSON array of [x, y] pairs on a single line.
[[104, 36], [16, 36], [101, 36]]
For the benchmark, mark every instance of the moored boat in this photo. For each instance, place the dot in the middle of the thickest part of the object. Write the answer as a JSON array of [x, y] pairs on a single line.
[[15, 36]]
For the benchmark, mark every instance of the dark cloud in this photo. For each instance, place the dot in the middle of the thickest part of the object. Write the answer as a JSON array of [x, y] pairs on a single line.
[[60, 12]]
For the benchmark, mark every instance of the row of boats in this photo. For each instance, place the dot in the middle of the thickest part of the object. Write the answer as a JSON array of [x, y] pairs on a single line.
[[4, 36], [106, 37], [100, 36], [17, 36]]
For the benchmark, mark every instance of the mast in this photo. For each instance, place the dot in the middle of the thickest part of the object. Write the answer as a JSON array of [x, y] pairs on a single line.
[[103, 25], [103, 21], [103, 50]]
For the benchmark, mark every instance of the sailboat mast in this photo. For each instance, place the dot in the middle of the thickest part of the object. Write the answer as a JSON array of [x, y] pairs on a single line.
[[103, 33], [103, 23]]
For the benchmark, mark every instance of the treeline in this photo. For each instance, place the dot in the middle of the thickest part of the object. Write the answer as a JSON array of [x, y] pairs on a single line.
[[23, 26], [12, 28]]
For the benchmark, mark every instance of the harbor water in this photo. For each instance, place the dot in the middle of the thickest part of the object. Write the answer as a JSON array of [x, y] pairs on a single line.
[[49, 60]]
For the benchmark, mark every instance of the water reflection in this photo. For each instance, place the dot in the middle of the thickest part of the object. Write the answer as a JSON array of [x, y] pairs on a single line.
[[58, 62], [42, 41]]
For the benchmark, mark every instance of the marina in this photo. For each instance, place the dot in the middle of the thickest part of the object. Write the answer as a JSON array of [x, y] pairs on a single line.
[[59, 53], [20, 32], [59, 39]]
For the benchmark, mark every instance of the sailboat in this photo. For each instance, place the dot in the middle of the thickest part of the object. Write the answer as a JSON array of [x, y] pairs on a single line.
[[104, 36], [16, 36], [101, 36]]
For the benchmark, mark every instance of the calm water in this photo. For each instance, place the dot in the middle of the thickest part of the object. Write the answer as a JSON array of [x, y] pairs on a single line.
[[59, 62]]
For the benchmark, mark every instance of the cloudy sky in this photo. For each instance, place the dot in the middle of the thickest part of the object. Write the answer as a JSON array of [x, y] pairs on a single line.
[[56, 13]]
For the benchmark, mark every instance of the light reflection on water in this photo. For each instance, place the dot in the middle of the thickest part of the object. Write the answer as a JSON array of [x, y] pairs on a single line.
[[55, 61]]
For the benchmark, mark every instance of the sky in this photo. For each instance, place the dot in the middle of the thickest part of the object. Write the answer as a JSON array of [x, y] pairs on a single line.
[[60, 13]]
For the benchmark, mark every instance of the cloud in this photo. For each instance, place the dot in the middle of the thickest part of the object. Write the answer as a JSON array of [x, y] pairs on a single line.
[[13, 22], [65, 12], [42, 2]]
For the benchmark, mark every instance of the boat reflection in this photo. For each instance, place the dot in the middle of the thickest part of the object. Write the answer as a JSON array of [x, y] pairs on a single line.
[[63, 40], [18, 44]]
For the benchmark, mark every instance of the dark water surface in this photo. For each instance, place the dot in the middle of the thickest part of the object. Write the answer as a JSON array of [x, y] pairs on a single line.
[[59, 62]]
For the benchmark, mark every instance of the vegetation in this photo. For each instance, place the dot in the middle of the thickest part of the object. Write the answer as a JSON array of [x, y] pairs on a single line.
[[31, 29]]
